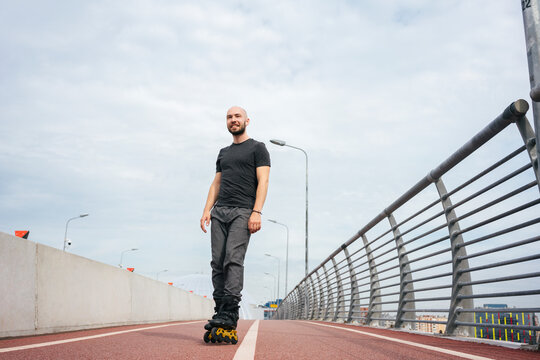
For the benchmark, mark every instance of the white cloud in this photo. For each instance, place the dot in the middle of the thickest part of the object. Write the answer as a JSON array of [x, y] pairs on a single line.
[[117, 109]]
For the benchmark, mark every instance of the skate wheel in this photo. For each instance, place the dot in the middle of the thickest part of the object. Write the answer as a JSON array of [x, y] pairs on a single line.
[[234, 341], [215, 335], [206, 337]]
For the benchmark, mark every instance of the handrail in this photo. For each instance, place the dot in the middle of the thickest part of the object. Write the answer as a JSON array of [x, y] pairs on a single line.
[[436, 269]]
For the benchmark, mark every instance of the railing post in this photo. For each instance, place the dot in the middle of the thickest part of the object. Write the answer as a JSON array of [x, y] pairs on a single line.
[[354, 286], [527, 134], [328, 294], [312, 298], [340, 297], [300, 302], [374, 283], [320, 307], [291, 303], [458, 265], [296, 304], [406, 287], [317, 304], [305, 299]]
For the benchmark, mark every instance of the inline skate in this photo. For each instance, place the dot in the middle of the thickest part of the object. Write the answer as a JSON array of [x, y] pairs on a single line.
[[223, 326]]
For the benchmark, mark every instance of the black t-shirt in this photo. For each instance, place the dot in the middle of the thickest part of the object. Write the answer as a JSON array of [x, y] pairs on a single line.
[[238, 165]]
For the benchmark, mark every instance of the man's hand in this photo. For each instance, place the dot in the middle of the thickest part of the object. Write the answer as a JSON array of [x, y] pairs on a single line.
[[254, 223], [205, 220]]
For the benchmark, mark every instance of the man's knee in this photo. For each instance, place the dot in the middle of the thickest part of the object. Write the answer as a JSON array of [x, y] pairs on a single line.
[[217, 266]]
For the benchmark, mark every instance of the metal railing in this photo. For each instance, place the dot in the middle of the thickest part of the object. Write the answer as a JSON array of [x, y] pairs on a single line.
[[443, 252]]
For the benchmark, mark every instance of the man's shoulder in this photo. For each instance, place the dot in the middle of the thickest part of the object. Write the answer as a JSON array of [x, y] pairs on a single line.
[[222, 150], [258, 143]]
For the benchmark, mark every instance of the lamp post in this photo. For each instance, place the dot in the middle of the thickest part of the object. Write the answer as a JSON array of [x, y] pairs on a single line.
[[67, 223], [270, 291], [122, 255], [531, 22], [274, 282], [286, 255], [278, 271], [283, 143], [159, 272]]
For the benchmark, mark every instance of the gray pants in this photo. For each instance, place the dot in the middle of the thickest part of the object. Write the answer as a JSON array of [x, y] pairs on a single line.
[[230, 239]]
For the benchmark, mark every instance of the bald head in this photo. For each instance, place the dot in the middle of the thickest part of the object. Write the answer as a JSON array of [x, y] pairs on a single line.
[[237, 121], [236, 109]]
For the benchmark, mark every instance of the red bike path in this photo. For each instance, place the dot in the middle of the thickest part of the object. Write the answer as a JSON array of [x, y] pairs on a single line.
[[259, 340]]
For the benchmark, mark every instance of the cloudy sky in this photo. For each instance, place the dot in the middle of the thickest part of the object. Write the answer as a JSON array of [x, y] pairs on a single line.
[[117, 109]]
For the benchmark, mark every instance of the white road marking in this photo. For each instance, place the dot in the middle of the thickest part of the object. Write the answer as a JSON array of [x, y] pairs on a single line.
[[427, 347], [246, 351], [31, 346]]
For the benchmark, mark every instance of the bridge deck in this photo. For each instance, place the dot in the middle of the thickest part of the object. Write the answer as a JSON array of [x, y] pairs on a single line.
[[258, 340]]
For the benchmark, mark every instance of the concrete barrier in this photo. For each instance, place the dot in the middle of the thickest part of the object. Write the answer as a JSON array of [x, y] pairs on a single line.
[[45, 290]]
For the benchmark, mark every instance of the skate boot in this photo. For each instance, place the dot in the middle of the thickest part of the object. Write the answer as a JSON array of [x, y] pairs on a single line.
[[207, 337], [208, 326], [224, 325]]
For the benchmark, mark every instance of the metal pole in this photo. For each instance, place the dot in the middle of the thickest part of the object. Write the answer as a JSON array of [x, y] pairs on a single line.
[[531, 22], [274, 282], [65, 234], [122, 256], [157, 275], [307, 217], [283, 143], [287, 262], [306, 213], [286, 255], [278, 273], [270, 291]]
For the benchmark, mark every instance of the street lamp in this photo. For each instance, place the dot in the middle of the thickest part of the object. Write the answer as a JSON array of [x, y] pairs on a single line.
[[283, 143], [286, 256], [270, 291], [278, 271], [73, 218], [159, 272], [274, 282], [122, 255]]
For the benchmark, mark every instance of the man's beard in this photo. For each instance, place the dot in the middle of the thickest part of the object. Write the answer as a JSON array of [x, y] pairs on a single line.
[[240, 131]]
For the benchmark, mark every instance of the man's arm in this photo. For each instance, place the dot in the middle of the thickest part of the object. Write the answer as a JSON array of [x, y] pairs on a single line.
[[263, 174], [210, 201]]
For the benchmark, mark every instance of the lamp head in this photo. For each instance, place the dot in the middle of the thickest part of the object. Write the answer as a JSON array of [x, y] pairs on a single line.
[[278, 142], [83, 215]]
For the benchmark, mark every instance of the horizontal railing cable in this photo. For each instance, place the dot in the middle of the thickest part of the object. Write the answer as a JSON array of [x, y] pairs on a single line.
[[434, 261]]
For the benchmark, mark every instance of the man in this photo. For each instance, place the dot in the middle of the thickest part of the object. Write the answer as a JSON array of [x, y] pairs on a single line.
[[234, 207]]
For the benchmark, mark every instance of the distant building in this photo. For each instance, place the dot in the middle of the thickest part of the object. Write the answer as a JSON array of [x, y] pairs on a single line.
[[432, 328], [363, 314], [504, 317]]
